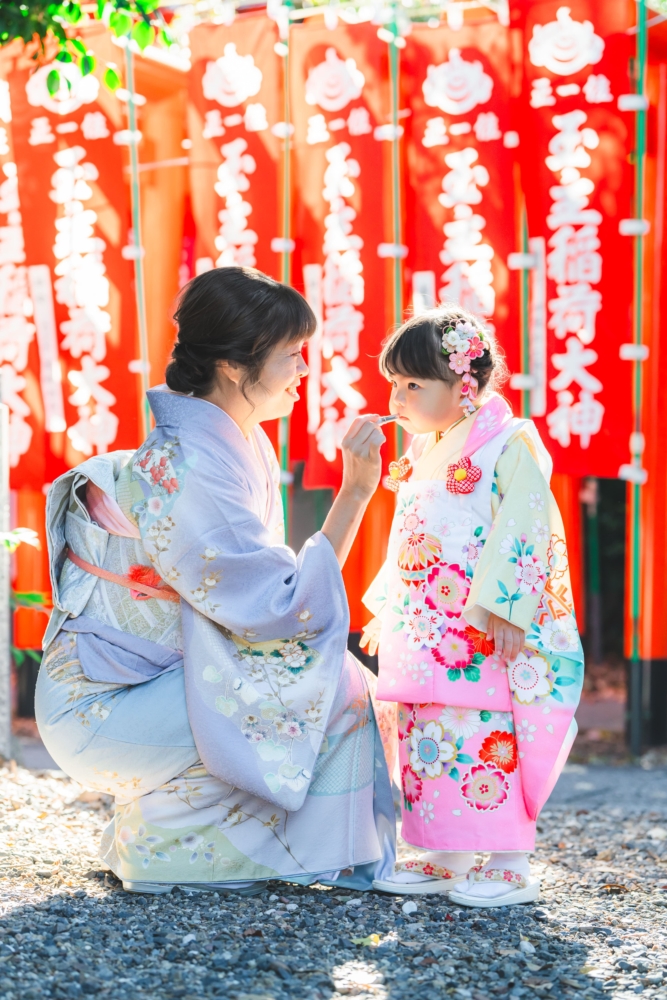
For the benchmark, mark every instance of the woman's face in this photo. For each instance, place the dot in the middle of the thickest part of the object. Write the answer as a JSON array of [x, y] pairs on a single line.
[[277, 390], [424, 404]]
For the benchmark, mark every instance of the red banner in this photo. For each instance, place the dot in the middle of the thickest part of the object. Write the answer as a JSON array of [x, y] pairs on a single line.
[[75, 217], [235, 126], [340, 105], [577, 180], [459, 177]]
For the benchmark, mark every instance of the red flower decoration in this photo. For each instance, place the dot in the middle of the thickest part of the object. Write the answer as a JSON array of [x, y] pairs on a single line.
[[147, 576], [480, 642], [500, 750], [412, 786], [462, 476], [398, 473]]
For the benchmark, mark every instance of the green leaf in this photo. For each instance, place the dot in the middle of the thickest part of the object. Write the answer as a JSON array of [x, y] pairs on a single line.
[[478, 658], [143, 34], [120, 23], [87, 65], [502, 588], [485, 716], [78, 45], [517, 546], [111, 79], [454, 773], [472, 674], [64, 56], [557, 695], [502, 600], [453, 673], [101, 4], [408, 805], [512, 559], [564, 681], [397, 611], [53, 82], [555, 666], [464, 758], [459, 743], [166, 38], [398, 626], [406, 600], [478, 531], [530, 549]]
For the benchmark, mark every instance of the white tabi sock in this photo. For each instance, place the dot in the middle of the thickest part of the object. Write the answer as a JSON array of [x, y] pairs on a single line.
[[458, 862], [511, 861]]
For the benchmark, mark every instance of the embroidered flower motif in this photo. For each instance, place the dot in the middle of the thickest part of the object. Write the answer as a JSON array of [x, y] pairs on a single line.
[[528, 678], [461, 722], [289, 727], [423, 626], [412, 521], [455, 649], [559, 635], [294, 656], [500, 750], [450, 588], [507, 544], [416, 555], [99, 711], [426, 812], [557, 558], [485, 788], [480, 642], [411, 784], [530, 574], [430, 750], [541, 531], [535, 501], [445, 527], [462, 476], [154, 505], [525, 731]]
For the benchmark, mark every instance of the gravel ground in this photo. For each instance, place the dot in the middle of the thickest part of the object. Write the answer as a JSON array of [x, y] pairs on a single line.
[[68, 930]]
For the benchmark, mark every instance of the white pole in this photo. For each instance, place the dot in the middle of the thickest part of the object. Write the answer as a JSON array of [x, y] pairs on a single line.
[[5, 622]]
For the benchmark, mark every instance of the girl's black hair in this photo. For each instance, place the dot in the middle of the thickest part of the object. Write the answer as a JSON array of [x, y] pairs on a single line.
[[234, 314], [415, 349]]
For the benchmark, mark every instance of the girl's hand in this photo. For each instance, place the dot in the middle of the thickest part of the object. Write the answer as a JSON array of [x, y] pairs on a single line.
[[508, 638], [362, 465], [371, 636]]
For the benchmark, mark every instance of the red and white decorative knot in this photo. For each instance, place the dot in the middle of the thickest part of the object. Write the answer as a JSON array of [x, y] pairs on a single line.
[[462, 476], [398, 473]]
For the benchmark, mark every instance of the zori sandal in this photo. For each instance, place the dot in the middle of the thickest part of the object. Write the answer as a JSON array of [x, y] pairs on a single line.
[[526, 889], [438, 879]]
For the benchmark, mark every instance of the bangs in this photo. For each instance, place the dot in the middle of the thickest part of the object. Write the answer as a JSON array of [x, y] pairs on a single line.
[[414, 351], [291, 316]]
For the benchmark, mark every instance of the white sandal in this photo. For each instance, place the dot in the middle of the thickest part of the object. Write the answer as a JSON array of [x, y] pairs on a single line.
[[527, 889], [438, 879]]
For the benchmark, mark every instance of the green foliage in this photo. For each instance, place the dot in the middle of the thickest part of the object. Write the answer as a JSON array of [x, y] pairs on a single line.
[[32, 599], [35, 19], [21, 655]]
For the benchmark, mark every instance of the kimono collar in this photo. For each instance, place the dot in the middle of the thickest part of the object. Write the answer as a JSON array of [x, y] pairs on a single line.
[[491, 418]]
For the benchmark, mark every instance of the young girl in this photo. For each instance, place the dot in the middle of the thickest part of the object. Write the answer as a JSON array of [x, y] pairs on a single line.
[[478, 641]]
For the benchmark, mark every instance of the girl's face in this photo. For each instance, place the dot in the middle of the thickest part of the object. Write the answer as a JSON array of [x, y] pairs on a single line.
[[277, 390], [424, 404]]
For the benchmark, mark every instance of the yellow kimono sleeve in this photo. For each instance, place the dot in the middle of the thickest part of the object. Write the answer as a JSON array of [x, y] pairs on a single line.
[[512, 571]]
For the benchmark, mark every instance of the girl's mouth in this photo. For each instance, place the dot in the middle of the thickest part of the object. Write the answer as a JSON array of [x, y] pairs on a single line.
[[292, 391]]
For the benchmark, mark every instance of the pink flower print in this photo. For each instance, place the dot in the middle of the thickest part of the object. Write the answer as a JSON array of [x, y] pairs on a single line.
[[412, 785], [412, 521], [530, 574], [455, 649], [459, 362], [471, 551], [406, 721], [485, 788], [449, 589], [475, 347]]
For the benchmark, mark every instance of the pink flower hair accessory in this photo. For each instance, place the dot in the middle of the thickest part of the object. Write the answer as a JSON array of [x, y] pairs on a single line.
[[463, 343]]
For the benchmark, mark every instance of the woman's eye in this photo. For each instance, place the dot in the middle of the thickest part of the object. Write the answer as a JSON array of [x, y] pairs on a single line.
[[412, 385]]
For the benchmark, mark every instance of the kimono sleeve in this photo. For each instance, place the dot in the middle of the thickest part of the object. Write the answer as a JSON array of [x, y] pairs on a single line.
[[512, 571]]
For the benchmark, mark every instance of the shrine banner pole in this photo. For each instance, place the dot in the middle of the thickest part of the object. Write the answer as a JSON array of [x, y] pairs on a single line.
[[397, 234], [5, 592], [286, 266], [137, 248], [636, 444]]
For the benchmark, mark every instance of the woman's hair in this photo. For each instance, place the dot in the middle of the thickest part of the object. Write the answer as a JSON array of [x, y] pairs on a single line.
[[415, 349], [234, 314]]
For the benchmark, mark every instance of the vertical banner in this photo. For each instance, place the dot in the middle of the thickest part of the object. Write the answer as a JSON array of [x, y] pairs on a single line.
[[460, 186], [235, 109], [340, 110], [75, 217], [576, 174]]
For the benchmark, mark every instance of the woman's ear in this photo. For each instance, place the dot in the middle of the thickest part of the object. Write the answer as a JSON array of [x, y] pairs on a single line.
[[231, 371]]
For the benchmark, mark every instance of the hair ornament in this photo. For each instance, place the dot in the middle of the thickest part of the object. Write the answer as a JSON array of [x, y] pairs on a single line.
[[463, 343]]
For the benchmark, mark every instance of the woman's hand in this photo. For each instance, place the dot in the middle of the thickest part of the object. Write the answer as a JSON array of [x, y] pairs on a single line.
[[508, 639], [361, 475], [362, 465]]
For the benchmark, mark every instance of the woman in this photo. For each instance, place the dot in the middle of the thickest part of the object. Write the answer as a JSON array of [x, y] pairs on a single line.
[[194, 667]]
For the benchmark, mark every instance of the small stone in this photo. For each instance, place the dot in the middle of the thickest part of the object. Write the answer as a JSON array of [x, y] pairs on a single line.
[[657, 833], [526, 947], [409, 907], [291, 907], [354, 902]]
